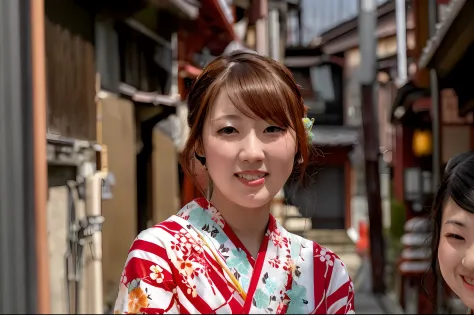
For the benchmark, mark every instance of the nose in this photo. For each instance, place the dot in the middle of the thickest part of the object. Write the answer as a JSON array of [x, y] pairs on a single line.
[[252, 148], [468, 260]]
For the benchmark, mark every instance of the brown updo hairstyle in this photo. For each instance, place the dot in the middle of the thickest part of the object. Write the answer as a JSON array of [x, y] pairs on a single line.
[[257, 86]]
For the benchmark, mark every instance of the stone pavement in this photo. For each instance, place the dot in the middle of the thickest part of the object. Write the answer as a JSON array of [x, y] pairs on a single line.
[[367, 303]]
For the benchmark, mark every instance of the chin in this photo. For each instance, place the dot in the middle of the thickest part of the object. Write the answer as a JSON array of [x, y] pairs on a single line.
[[252, 200], [468, 302], [465, 295]]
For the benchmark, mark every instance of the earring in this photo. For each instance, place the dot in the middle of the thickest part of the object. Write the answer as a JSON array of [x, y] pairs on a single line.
[[201, 159], [300, 160], [209, 191]]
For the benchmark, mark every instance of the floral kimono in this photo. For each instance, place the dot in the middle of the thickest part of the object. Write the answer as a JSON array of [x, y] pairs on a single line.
[[193, 263]]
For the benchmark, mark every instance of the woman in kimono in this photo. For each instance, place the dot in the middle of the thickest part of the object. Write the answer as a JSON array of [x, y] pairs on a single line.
[[452, 236], [226, 254]]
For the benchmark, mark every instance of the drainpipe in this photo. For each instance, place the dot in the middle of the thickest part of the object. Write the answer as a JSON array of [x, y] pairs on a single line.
[[40, 162], [94, 300], [401, 41], [261, 27], [274, 30]]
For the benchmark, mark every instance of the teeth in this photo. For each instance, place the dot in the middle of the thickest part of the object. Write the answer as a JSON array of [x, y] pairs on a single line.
[[469, 280], [251, 177]]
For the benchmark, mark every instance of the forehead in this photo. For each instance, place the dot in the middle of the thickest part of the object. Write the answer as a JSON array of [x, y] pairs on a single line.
[[452, 211], [223, 107]]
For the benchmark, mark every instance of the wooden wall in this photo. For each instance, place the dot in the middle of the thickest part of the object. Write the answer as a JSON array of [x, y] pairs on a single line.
[[71, 71]]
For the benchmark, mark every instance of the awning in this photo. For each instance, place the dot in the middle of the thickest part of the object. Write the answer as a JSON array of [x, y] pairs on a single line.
[[406, 96], [148, 97], [456, 80], [311, 61], [449, 24], [335, 136], [188, 9], [302, 61], [115, 9], [450, 52]]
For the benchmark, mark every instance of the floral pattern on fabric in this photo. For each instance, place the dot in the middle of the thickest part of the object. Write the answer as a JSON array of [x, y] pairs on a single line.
[[173, 268]]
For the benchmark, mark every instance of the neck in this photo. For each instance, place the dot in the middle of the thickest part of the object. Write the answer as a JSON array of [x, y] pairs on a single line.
[[249, 224]]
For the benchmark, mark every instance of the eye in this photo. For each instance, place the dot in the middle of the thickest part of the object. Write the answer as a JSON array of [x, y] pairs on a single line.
[[272, 129], [455, 236], [227, 130]]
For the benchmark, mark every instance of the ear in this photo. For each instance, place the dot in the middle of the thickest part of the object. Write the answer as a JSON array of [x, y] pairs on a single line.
[[199, 148], [199, 153]]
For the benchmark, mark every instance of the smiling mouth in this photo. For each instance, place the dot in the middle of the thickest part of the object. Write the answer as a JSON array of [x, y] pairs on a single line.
[[251, 177], [469, 281]]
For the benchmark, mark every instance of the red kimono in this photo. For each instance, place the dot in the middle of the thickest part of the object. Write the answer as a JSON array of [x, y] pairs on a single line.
[[193, 263]]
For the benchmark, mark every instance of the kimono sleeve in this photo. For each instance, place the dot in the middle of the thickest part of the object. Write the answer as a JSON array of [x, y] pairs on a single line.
[[147, 285], [340, 290]]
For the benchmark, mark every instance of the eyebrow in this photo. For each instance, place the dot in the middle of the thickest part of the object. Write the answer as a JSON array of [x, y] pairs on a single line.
[[458, 223], [229, 116]]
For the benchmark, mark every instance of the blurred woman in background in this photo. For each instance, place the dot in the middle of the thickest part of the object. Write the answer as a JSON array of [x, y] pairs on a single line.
[[453, 228]]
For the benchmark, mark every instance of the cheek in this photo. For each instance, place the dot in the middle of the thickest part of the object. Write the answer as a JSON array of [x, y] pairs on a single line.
[[445, 265], [449, 257], [220, 159], [283, 151], [201, 174], [218, 152]]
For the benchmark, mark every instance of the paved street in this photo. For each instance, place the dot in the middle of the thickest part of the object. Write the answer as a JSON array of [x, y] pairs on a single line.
[[366, 303]]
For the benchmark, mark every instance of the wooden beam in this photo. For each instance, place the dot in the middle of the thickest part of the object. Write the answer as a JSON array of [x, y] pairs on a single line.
[[420, 16], [455, 42]]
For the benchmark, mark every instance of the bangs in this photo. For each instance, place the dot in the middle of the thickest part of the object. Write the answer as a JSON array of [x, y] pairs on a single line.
[[259, 93], [460, 181], [461, 191]]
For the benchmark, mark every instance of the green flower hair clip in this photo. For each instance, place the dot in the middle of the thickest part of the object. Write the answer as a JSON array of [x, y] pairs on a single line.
[[308, 125]]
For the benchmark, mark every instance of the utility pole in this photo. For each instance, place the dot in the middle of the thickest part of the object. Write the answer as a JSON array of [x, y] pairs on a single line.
[[367, 72], [436, 131], [300, 24], [22, 260]]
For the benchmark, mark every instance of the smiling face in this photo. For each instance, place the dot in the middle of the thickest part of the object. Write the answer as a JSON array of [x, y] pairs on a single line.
[[456, 251], [245, 118], [248, 159]]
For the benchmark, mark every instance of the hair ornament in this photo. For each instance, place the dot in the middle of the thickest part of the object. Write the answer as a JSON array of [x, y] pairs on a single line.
[[308, 125]]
